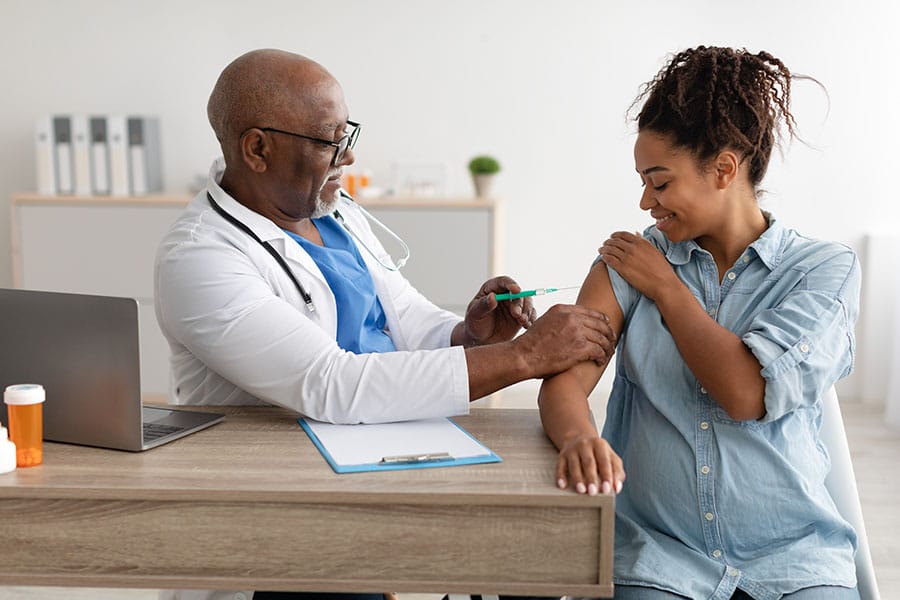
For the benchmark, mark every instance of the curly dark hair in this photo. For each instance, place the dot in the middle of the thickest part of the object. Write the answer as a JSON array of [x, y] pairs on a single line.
[[707, 99]]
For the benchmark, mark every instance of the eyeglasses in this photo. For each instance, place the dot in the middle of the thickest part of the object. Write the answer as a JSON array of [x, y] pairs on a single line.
[[347, 141]]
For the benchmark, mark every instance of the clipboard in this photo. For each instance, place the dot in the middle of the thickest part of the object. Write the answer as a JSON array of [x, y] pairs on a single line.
[[421, 444]]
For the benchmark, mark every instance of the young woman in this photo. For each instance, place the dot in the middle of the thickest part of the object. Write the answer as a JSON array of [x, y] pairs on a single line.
[[731, 327]]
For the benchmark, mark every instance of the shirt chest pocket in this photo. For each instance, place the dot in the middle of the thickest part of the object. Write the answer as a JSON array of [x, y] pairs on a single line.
[[720, 415]]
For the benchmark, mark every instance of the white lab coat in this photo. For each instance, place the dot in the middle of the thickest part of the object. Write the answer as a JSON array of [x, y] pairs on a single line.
[[240, 332]]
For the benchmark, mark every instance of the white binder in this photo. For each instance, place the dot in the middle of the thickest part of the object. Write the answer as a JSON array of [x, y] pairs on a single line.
[[117, 140], [45, 156], [81, 155], [62, 144], [99, 157], [145, 172]]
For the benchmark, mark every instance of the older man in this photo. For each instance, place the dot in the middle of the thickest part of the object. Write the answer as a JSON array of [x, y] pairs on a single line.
[[265, 296], [272, 288]]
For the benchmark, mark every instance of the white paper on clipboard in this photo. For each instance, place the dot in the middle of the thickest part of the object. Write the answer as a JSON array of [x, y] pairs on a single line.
[[357, 448]]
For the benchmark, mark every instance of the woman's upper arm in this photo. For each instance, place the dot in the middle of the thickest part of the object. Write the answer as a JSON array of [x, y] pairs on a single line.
[[597, 293]]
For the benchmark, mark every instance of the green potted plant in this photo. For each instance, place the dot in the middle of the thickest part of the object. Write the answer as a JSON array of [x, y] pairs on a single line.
[[483, 169]]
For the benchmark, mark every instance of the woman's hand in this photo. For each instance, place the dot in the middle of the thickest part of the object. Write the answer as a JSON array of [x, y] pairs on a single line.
[[639, 263], [588, 463]]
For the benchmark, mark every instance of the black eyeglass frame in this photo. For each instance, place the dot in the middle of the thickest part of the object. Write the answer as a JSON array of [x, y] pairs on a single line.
[[347, 142]]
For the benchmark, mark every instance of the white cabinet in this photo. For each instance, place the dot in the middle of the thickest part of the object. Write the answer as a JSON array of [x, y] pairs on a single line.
[[453, 245], [102, 246], [107, 246]]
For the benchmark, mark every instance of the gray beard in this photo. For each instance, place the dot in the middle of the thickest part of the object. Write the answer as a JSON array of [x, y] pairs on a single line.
[[325, 207]]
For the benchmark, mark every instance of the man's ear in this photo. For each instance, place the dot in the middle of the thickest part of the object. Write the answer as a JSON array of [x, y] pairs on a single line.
[[255, 150], [726, 164]]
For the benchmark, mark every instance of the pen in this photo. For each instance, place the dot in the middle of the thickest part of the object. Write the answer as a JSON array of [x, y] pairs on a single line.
[[417, 458], [536, 292]]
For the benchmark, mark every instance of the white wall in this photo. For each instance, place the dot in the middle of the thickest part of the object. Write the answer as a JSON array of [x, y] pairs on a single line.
[[542, 85]]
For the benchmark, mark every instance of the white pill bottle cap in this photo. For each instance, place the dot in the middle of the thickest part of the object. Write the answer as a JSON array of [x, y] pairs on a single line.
[[24, 393]]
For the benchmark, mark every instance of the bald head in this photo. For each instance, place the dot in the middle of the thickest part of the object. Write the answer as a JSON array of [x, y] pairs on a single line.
[[265, 88]]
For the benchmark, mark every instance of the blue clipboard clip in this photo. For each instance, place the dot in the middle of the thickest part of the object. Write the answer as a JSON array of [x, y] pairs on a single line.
[[406, 459]]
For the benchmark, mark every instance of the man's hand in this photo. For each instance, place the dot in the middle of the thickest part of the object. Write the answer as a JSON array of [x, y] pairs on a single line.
[[565, 336], [489, 321]]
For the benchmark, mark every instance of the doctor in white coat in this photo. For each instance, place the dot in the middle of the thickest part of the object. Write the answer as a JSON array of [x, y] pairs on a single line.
[[271, 287]]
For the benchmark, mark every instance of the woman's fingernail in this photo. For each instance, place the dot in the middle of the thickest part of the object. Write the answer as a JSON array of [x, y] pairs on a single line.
[[561, 483], [618, 486], [579, 487], [606, 487], [592, 489]]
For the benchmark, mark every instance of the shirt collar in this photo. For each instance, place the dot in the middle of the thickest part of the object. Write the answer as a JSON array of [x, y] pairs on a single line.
[[677, 253], [264, 228], [769, 247]]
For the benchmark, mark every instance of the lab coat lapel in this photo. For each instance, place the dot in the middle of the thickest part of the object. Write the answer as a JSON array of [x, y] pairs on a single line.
[[268, 231], [379, 275], [301, 264], [377, 271], [306, 269], [297, 257]]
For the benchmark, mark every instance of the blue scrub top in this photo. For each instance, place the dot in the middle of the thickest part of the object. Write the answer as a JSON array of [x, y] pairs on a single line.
[[360, 317]]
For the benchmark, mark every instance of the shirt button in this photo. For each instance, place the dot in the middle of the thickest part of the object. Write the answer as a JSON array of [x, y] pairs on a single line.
[[745, 259], [712, 312], [733, 572], [804, 348], [702, 390], [709, 516], [717, 553], [704, 425], [704, 469], [731, 276]]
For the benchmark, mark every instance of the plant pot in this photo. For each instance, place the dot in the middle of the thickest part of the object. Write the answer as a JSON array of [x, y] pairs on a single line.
[[483, 184]]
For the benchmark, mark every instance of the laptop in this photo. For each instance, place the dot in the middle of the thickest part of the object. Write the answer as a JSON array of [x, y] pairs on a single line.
[[85, 351]]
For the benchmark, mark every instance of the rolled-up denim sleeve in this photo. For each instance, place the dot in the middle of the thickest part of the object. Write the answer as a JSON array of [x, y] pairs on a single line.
[[625, 294], [806, 342]]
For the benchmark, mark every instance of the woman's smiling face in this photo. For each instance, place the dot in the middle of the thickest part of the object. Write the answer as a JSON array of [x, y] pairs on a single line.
[[679, 194]]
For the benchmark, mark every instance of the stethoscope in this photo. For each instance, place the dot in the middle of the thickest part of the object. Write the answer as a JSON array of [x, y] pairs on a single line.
[[307, 299]]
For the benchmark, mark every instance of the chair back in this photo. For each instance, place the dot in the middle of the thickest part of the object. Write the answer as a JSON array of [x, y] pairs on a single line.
[[841, 484]]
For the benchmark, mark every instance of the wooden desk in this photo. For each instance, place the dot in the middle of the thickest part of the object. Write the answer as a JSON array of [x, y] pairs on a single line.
[[251, 504]]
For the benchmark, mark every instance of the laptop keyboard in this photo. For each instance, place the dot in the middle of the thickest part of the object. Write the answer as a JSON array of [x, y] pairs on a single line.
[[154, 431]]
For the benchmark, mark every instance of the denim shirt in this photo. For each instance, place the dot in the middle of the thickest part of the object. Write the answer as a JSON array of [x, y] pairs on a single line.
[[712, 504]]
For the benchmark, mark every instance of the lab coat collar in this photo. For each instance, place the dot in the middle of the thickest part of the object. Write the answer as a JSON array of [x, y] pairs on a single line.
[[264, 228], [292, 251]]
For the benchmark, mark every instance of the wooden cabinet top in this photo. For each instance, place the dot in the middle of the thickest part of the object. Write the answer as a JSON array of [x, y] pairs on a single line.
[[181, 199]]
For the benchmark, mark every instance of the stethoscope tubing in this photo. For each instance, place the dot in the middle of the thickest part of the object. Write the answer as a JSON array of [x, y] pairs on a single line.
[[307, 298], [390, 266]]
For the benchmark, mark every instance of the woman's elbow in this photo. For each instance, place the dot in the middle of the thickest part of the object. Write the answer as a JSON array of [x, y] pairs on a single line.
[[745, 405], [746, 409], [746, 415]]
